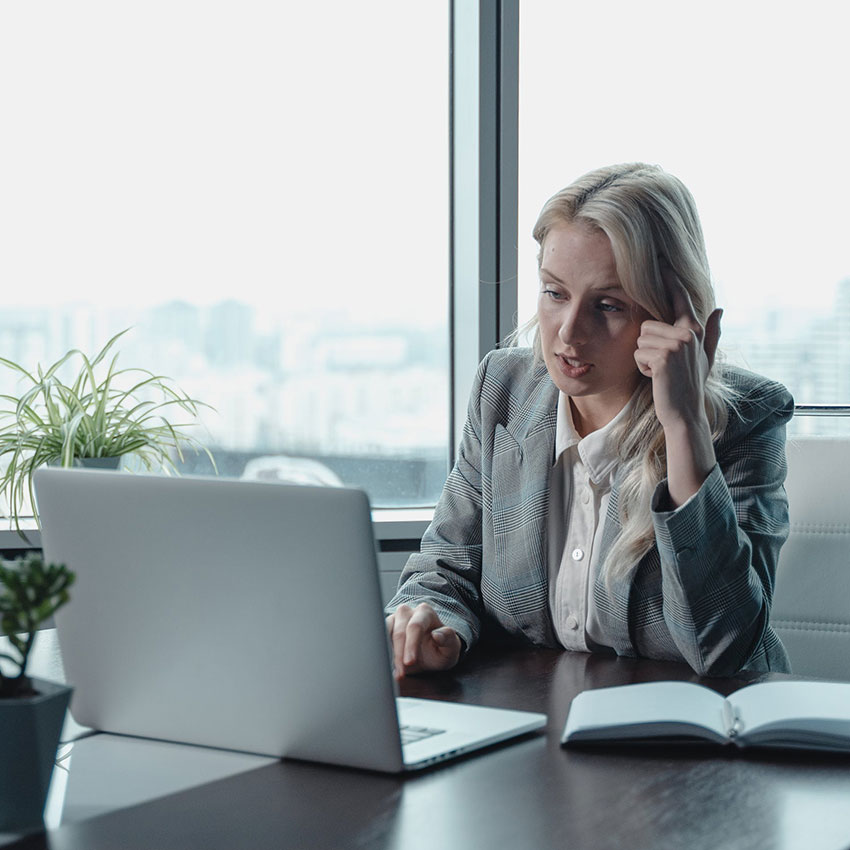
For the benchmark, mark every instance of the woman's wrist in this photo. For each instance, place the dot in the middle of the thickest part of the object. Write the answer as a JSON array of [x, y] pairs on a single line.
[[690, 458]]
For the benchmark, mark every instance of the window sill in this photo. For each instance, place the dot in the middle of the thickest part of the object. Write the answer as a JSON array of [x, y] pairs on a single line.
[[391, 524]]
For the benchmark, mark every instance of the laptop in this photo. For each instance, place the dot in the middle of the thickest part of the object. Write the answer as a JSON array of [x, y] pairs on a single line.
[[240, 615]]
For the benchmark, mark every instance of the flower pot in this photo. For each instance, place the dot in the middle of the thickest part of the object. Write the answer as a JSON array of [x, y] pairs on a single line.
[[98, 462], [31, 727], [92, 462]]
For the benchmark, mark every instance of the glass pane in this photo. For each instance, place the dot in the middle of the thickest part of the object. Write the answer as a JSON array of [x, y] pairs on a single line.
[[260, 190], [742, 101], [819, 426]]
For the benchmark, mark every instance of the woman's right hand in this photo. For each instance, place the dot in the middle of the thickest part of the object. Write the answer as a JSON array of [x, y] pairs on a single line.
[[420, 641]]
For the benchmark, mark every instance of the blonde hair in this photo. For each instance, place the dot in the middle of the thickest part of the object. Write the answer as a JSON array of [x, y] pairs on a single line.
[[651, 220]]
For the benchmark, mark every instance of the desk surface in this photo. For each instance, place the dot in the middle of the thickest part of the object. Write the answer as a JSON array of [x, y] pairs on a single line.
[[531, 793]]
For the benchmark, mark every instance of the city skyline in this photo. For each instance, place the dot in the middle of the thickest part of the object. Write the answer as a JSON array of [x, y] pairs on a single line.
[[333, 389]]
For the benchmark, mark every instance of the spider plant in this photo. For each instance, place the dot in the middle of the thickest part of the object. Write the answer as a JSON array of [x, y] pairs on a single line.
[[92, 417]]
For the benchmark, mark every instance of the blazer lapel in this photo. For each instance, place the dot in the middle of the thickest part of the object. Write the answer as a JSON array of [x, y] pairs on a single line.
[[520, 514]]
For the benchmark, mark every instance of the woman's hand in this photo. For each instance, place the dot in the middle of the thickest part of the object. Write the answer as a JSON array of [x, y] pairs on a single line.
[[420, 641], [678, 358]]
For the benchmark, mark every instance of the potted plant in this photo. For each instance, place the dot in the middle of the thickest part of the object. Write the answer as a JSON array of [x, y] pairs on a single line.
[[90, 421], [31, 710]]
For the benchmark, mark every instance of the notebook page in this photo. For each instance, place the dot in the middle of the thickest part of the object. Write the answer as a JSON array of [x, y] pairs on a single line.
[[650, 703], [824, 705]]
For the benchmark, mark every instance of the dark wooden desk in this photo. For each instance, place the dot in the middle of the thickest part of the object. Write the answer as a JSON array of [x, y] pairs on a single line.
[[528, 794]]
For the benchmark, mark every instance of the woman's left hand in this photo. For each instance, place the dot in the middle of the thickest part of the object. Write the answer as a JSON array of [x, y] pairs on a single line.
[[678, 358]]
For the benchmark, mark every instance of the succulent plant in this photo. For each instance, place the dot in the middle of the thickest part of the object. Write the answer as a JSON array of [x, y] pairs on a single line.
[[30, 592]]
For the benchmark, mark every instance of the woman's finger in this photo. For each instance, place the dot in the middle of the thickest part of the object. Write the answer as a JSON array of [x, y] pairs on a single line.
[[419, 628], [660, 335], [712, 335], [683, 309], [399, 631]]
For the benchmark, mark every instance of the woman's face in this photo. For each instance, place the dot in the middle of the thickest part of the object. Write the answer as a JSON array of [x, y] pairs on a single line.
[[588, 325]]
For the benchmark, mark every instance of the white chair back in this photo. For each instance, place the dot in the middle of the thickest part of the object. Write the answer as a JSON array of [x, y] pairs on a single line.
[[811, 605]]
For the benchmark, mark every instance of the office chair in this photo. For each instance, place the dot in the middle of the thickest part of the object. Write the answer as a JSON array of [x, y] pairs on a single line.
[[811, 605]]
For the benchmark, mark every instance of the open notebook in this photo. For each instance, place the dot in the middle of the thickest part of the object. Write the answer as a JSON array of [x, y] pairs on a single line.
[[810, 715]]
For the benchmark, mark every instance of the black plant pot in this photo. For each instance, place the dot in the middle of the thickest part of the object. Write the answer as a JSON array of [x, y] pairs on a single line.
[[31, 727]]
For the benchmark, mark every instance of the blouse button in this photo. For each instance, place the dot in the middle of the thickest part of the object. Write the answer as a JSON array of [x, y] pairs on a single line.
[[572, 623], [578, 554], [585, 497]]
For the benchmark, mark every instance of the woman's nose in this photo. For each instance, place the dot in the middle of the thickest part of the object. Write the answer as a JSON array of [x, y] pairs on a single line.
[[572, 330]]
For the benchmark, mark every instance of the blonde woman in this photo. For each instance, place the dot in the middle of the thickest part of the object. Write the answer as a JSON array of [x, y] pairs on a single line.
[[617, 489]]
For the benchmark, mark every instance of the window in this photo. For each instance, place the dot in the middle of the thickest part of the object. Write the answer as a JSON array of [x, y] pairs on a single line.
[[260, 190], [744, 102]]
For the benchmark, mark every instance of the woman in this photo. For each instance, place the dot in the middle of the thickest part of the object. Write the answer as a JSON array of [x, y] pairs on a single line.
[[616, 489]]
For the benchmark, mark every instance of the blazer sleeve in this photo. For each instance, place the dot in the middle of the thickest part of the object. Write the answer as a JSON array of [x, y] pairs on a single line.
[[719, 550], [446, 572]]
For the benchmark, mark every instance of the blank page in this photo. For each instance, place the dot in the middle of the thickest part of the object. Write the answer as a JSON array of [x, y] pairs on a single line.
[[663, 703], [777, 703]]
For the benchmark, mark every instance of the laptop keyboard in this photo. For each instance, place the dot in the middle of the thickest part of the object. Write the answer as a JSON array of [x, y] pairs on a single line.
[[412, 734]]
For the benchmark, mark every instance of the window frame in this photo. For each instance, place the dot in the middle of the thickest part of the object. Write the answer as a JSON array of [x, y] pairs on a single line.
[[484, 179]]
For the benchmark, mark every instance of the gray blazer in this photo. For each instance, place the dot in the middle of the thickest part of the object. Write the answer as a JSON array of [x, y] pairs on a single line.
[[702, 594]]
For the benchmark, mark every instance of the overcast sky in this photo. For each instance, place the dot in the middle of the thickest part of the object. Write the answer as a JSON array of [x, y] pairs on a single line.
[[273, 152], [284, 155]]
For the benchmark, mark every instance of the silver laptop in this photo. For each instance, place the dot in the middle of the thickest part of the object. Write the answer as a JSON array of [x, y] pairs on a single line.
[[239, 615]]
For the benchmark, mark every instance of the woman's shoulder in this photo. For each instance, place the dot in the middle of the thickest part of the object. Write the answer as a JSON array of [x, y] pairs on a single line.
[[750, 388], [513, 360], [515, 369], [754, 399], [515, 386]]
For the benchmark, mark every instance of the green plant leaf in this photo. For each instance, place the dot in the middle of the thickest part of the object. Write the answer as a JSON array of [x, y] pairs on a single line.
[[55, 422], [9, 364]]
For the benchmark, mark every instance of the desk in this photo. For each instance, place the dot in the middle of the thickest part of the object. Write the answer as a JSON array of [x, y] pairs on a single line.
[[528, 794]]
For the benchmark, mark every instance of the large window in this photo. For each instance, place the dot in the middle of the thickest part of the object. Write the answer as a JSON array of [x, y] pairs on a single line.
[[744, 102], [260, 190]]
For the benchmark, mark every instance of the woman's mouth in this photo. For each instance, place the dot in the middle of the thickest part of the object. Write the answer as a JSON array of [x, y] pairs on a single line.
[[572, 367]]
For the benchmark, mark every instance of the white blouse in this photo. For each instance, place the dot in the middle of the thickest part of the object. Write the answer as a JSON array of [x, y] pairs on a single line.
[[580, 488]]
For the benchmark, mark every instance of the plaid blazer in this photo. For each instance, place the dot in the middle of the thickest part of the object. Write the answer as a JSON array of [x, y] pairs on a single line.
[[702, 594]]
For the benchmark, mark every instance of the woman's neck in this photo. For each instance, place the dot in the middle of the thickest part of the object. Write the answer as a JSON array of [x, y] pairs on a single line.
[[588, 417]]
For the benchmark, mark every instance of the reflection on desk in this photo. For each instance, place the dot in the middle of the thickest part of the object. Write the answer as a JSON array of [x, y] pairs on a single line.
[[104, 773], [530, 793]]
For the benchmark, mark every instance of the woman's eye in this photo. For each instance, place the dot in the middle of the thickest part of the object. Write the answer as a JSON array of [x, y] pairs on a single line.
[[553, 294], [610, 308]]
